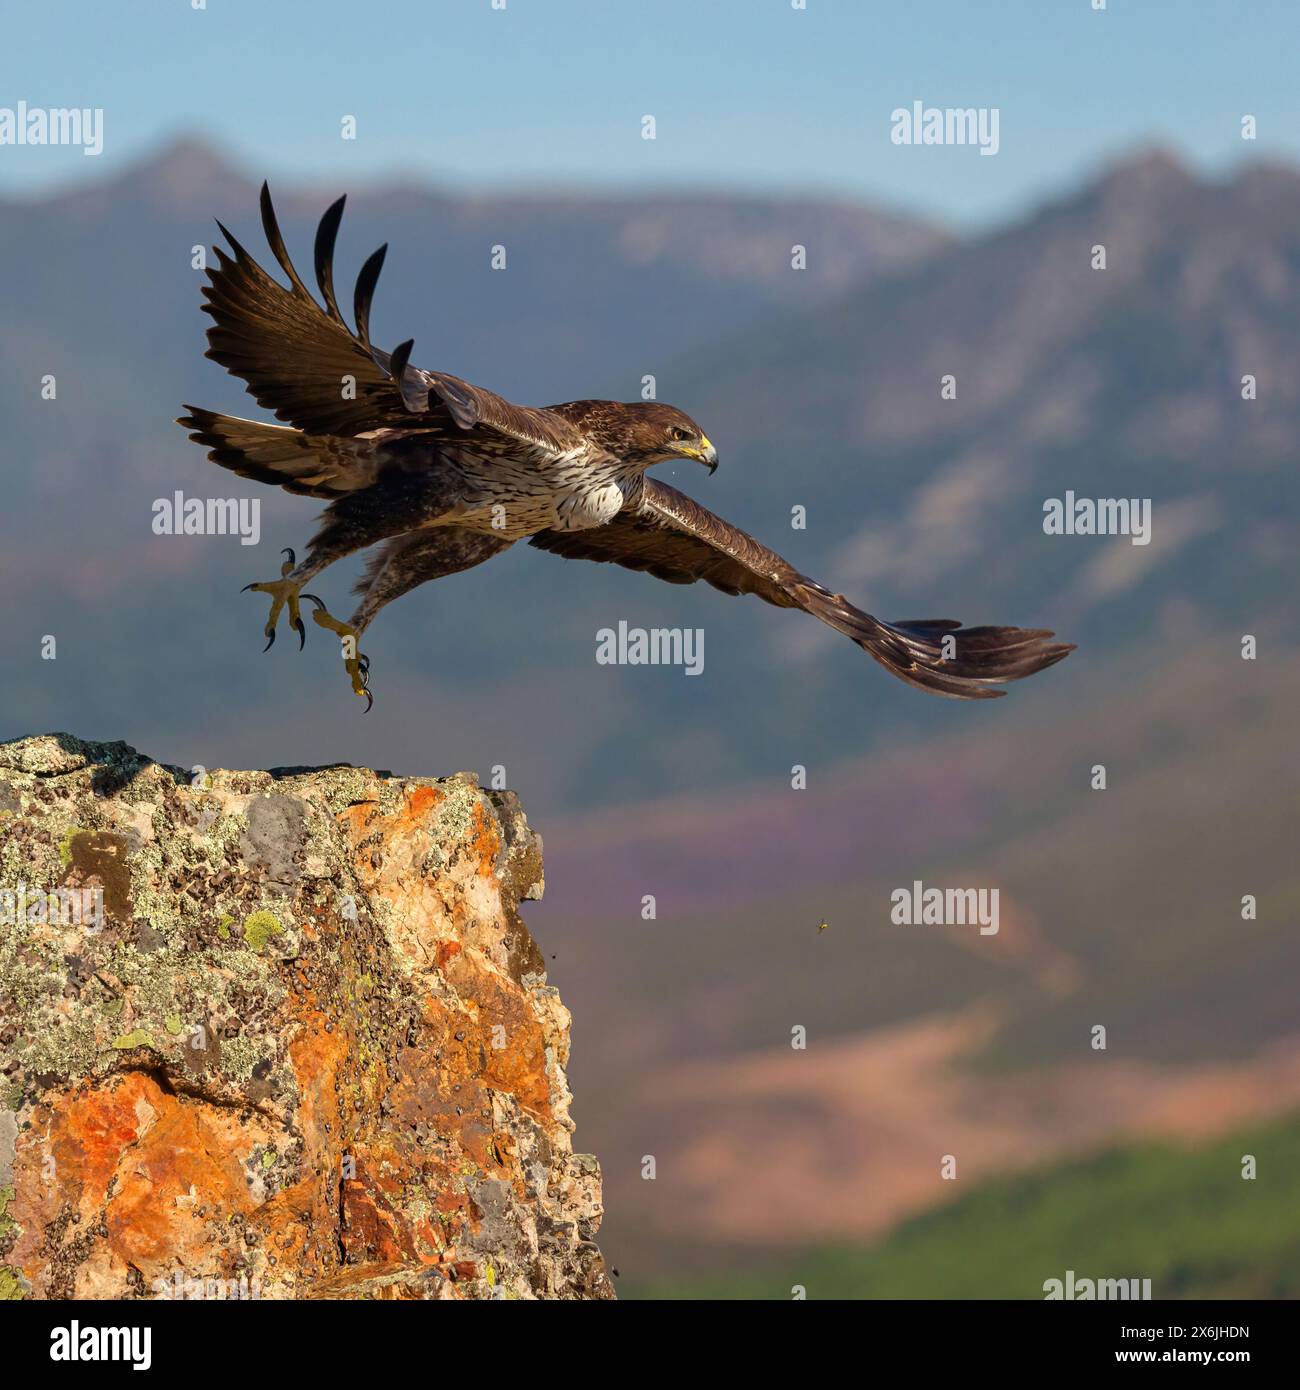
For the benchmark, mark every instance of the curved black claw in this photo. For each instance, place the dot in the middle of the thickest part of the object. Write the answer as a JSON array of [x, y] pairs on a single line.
[[302, 633], [270, 641], [293, 559], [370, 703], [357, 665], [247, 587]]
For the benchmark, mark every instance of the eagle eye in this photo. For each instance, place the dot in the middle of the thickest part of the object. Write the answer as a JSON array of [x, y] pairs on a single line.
[[679, 433]]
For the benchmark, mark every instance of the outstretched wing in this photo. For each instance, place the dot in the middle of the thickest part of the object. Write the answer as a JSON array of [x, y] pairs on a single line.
[[677, 540], [304, 363]]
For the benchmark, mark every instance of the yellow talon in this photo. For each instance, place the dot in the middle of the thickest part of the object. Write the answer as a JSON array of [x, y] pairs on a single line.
[[283, 591], [358, 672], [322, 617], [355, 663]]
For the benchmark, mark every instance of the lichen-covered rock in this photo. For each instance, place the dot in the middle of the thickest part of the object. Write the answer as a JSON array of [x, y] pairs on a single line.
[[278, 1034]]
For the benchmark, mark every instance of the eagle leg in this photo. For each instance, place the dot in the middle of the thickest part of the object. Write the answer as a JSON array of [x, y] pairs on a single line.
[[284, 590], [355, 663]]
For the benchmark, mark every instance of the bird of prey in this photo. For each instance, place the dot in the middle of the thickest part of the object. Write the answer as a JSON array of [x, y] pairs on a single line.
[[442, 475]]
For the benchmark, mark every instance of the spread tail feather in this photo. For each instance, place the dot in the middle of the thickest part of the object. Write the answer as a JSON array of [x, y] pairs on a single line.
[[310, 465], [938, 654]]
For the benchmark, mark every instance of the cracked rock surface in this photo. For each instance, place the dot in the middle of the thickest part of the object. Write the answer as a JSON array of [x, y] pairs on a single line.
[[279, 1034]]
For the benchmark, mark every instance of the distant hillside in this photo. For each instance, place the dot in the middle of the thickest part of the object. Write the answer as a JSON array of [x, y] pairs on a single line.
[[1119, 907], [596, 290], [1183, 1218]]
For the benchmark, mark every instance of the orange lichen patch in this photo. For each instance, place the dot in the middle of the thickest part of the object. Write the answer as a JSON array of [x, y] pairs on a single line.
[[355, 820], [451, 1203], [295, 1220], [65, 1162], [362, 821], [420, 801], [446, 951], [509, 1034], [317, 1055], [486, 840], [90, 1132], [380, 1171], [371, 1229], [177, 1187], [161, 1173]]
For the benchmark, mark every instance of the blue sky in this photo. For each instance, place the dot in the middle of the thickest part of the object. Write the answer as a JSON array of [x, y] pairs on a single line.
[[746, 93]]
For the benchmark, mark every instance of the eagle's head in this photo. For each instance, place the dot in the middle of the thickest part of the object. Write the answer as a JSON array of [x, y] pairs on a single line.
[[647, 432]]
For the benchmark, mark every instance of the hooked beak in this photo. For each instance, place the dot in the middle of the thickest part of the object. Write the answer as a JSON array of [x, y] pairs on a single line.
[[707, 455]]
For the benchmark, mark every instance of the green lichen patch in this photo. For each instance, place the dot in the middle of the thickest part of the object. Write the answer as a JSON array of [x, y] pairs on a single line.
[[260, 927], [137, 1038], [7, 1224], [338, 787], [241, 1055], [11, 1289], [456, 810], [65, 844]]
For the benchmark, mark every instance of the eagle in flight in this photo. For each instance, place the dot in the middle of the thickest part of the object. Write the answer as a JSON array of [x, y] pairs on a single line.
[[442, 475]]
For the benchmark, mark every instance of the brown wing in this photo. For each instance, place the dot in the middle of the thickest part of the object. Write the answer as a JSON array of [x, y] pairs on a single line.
[[677, 540], [297, 358]]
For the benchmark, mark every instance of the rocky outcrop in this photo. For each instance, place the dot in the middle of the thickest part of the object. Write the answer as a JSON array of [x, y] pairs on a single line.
[[280, 1034]]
